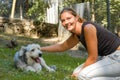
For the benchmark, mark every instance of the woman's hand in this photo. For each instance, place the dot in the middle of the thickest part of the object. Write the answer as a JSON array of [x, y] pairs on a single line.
[[75, 75]]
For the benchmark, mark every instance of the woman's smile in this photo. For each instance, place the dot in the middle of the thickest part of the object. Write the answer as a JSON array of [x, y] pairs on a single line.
[[67, 26]]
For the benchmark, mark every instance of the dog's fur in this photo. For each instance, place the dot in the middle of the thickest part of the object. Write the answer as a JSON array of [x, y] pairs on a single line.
[[29, 58]]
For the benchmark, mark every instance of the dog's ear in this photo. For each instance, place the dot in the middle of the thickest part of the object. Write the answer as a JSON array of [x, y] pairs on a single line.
[[38, 45], [22, 50]]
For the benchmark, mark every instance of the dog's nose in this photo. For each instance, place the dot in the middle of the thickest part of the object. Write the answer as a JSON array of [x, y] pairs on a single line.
[[40, 55]]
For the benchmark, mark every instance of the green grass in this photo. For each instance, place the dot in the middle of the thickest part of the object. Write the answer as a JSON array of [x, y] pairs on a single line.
[[65, 65]]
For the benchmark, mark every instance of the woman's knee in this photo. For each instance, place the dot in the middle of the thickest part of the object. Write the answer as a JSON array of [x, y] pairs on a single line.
[[87, 74]]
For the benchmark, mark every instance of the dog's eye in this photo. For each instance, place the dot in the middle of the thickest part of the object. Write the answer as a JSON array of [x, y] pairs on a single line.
[[33, 50]]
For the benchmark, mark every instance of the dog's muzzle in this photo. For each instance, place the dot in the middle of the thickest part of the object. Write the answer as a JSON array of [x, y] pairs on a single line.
[[36, 59]]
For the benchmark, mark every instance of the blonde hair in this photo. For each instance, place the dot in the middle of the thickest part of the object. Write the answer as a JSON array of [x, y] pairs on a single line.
[[73, 12]]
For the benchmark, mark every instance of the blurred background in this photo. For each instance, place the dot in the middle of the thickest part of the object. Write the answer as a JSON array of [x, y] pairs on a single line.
[[41, 17]]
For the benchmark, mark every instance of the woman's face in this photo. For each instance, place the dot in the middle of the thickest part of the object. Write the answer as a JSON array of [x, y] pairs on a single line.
[[69, 21]]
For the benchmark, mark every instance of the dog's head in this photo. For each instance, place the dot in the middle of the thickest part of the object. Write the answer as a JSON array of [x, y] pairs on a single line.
[[31, 51]]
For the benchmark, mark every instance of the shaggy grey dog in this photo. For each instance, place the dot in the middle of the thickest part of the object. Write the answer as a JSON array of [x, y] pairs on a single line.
[[29, 58]]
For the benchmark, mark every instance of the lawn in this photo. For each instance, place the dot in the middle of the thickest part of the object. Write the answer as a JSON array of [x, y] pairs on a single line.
[[65, 65]]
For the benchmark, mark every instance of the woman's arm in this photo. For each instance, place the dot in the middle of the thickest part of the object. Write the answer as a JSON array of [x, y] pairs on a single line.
[[90, 34], [91, 42], [69, 43]]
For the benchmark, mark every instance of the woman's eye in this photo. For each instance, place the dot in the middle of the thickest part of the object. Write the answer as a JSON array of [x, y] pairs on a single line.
[[62, 20]]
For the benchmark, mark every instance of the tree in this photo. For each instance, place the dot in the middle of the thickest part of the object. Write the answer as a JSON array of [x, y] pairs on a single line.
[[5, 7], [13, 9], [37, 10], [101, 13], [115, 15], [92, 11]]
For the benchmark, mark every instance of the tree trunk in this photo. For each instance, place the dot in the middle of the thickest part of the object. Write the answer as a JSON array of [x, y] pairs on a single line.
[[93, 12], [13, 9], [21, 12]]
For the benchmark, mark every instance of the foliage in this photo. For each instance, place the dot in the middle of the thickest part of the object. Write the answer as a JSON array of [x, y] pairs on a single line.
[[4, 8], [69, 2], [64, 63], [38, 9], [100, 12], [115, 13]]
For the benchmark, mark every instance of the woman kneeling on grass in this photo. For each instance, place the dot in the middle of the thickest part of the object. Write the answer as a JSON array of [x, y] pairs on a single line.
[[103, 47]]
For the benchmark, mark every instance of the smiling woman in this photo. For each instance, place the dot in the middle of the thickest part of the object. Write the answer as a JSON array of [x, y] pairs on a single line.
[[68, 20], [98, 42]]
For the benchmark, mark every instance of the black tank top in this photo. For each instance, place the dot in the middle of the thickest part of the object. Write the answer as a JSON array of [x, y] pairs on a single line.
[[107, 41]]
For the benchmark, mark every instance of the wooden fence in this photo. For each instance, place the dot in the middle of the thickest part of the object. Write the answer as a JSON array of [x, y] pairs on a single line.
[[52, 14]]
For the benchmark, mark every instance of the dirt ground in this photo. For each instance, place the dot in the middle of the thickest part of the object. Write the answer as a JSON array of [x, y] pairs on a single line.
[[74, 52]]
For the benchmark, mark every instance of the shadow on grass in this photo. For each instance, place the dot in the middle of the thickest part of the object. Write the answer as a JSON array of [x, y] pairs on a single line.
[[22, 40]]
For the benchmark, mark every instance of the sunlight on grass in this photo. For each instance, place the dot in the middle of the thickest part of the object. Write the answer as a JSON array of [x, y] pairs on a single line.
[[65, 65]]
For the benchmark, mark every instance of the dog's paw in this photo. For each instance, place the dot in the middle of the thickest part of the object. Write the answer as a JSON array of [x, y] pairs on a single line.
[[52, 68]]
